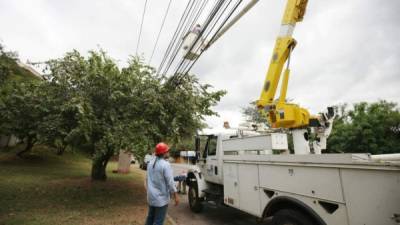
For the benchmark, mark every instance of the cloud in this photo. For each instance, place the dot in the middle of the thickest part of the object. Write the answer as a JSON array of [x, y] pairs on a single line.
[[346, 52]]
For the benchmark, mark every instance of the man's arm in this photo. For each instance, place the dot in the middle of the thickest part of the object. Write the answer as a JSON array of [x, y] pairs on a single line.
[[176, 198]]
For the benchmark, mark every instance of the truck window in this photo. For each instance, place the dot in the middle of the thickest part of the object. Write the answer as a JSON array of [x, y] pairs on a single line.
[[212, 145], [203, 146]]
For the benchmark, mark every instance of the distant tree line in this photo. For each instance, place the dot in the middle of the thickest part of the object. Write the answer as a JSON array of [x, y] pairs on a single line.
[[366, 127], [90, 104]]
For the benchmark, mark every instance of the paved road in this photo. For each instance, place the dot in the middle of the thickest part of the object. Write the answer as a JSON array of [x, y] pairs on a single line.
[[211, 215]]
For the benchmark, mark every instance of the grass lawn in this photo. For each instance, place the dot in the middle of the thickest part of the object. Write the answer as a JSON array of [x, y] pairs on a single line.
[[49, 189]]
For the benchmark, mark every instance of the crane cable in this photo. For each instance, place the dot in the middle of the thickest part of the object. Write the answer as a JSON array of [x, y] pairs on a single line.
[[159, 32], [141, 26]]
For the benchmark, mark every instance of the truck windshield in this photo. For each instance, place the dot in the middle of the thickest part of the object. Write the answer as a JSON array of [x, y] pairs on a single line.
[[202, 139]]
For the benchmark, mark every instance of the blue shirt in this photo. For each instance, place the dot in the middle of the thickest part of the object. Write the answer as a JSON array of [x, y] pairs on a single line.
[[160, 182]]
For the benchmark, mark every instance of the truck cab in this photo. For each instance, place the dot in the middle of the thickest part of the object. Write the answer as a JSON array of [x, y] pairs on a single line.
[[213, 144], [212, 152]]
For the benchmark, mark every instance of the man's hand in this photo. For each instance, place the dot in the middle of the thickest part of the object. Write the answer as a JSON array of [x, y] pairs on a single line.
[[176, 199]]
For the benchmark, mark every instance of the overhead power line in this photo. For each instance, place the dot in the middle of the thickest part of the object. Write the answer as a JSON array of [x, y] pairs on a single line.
[[141, 27], [159, 32], [167, 51], [217, 17], [234, 20], [184, 64], [180, 37], [212, 39], [210, 16]]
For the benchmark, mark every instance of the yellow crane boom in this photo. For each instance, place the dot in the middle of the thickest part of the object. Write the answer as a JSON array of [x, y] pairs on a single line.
[[281, 114]]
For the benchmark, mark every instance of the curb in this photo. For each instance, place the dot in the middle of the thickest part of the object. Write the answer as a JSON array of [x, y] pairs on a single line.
[[170, 220]]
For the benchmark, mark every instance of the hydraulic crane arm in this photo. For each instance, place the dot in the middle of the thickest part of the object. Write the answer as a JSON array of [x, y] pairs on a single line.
[[279, 113]]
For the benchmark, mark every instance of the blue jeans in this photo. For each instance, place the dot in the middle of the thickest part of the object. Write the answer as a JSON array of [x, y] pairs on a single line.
[[156, 215]]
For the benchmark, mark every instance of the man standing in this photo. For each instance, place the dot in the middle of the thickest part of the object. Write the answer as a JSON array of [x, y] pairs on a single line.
[[160, 185]]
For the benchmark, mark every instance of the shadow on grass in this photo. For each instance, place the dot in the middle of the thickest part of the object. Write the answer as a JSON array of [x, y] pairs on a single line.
[[39, 155]]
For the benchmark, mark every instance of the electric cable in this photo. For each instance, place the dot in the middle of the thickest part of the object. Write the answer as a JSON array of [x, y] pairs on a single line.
[[173, 39], [159, 32], [176, 78], [178, 44], [215, 34], [141, 26], [184, 67], [211, 16]]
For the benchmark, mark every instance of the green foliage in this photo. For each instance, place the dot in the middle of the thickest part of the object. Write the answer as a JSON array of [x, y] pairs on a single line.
[[22, 112], [372, 128], [7, 64], [132, 108], [185, 144], [21, 107], [367, 127], [252, 114], [89, 103], [10, 70]]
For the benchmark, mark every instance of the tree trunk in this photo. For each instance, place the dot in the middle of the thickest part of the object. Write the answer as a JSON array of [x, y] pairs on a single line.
[[99, 166], [61, 150], [98, 170], [29, 144]]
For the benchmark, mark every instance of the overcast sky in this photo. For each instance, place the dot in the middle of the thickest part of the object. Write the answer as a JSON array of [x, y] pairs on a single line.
[[348, 51]]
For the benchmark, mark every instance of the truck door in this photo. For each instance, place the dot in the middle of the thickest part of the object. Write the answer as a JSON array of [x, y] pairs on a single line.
[[211, 170]]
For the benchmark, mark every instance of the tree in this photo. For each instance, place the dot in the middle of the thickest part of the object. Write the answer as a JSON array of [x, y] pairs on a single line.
[[21, 113], [252, 114], [10, 70], [128, 109], [21, 108], [7, 64], [59, 126], [367, 127]]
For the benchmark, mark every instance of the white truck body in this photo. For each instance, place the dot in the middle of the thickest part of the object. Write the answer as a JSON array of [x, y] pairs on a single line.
[[337, 189], [341, 189]]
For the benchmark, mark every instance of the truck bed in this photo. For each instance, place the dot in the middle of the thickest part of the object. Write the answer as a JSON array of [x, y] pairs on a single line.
[[342, 188]]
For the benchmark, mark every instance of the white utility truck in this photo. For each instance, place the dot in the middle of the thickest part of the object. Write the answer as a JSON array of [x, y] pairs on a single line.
[[254, 173]]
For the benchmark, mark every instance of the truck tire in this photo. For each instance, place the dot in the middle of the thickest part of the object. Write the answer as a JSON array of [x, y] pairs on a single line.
[[290, 217], [195, 203]]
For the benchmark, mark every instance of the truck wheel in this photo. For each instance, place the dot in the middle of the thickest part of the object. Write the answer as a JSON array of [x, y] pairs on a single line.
[[195, 202], [290, 217]]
